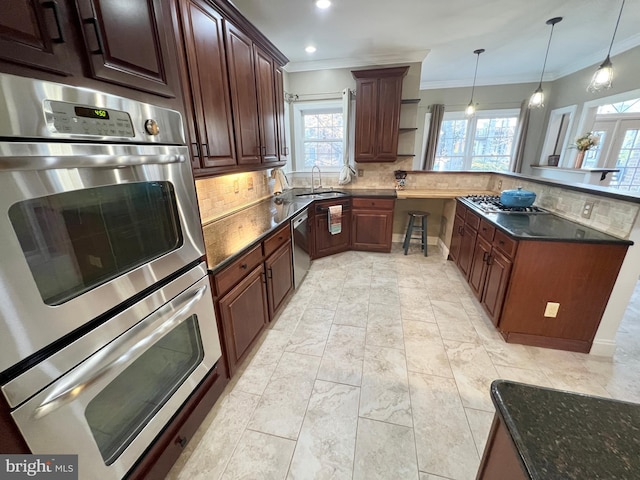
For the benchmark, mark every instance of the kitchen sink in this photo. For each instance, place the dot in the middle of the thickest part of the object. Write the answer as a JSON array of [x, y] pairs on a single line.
[[322, 194]]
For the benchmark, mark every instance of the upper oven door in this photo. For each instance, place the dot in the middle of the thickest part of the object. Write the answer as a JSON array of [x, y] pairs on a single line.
[[83, 228]]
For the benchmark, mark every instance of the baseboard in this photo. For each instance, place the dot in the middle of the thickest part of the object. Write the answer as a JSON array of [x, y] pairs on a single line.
[[603, 348]]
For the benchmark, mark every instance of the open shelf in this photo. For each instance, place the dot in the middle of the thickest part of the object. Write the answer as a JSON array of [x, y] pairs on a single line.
[[406, 155], [410, 101], [405, 130]]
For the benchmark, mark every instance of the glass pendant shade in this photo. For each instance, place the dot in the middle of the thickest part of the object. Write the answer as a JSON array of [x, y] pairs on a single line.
[[470, 111], [601, 80], [537, 99]]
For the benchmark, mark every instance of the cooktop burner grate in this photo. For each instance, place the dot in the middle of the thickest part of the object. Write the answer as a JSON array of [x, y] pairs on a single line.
[[492, 204]]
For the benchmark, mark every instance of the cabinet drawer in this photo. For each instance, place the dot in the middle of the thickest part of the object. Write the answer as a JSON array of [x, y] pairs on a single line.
[[322, 207], [506, 244], [373, 203], [277, 239], [486, 230], [472, 220], [235, 272]]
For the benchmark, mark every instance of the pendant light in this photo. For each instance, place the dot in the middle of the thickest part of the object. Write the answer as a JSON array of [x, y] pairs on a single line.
[[537, 99], [602, 78], [471, 108]]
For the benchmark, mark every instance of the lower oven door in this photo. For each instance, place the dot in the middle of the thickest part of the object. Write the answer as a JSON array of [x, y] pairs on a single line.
[[110, 407]]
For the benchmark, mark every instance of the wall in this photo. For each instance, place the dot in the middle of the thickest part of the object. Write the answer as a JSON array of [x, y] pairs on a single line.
[[327, 84]]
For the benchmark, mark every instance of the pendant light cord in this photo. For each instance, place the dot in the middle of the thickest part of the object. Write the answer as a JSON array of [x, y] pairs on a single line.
[[615, 30], [473, 88], [544, 65]]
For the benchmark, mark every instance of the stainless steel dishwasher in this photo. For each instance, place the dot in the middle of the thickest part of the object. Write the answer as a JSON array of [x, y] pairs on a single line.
[[300, 237]]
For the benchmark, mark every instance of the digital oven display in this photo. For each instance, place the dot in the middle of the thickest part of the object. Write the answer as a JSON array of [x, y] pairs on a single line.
[[91, 113]]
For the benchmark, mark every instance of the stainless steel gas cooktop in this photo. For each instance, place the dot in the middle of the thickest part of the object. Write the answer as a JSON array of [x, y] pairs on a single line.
[[492, 204]]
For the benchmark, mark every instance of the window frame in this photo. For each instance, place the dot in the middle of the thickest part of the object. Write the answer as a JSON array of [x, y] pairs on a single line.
[[319, 106], [471, 129]]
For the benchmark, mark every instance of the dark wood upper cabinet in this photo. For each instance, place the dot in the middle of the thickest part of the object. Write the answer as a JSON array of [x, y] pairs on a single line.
[[244, 96], [265, 71], [378, 100], [283, 150], [35, 34], [207, 66], [128, 43]]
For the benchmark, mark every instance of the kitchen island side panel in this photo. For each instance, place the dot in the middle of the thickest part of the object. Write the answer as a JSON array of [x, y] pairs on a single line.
[[577, 276]]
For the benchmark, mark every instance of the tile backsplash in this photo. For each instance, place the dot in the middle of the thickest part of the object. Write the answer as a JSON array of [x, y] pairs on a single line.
[[220, 196]]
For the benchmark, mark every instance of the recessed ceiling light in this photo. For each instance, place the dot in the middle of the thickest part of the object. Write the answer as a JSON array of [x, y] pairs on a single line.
[[310, 49], [323, 4]]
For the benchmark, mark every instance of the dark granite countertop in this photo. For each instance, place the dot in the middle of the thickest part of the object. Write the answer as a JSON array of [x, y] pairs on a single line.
[[228, 237], [546, 227], [563, 435]]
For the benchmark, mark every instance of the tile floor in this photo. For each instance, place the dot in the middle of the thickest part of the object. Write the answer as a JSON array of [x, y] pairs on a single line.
[[379, 368]]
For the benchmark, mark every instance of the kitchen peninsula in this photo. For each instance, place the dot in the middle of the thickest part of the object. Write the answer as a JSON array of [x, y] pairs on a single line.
[[545, 434]]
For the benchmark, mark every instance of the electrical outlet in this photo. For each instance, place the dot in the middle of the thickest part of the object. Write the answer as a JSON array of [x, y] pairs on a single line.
[[250, 183], [236, 186], [587, 209], [361, 172], [499, 184], [551, 310]]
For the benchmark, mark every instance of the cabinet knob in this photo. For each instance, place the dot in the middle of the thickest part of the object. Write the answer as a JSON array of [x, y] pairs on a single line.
[[244, 266], [182, 441], [280, 237], [501, 242]]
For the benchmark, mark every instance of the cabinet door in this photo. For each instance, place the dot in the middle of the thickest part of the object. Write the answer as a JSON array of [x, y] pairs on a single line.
[[204, 43], [325, 242], [388, 117], [266, 106], [478, 271], [279, 277], [467, 245], [371, 230], [244, 314], [283, 149], [456, 239], [366, 119], [495, 289], [130, 42], [34, 33], [244, 96]]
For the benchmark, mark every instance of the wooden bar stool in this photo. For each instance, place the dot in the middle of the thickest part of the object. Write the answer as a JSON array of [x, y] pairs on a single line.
[[414, 227]]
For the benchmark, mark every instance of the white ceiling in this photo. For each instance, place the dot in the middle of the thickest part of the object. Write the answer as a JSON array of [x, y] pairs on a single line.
[[444, 33]]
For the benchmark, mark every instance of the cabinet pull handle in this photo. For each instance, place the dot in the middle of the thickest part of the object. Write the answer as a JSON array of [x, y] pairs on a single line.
[[264, 277], [195, 149], [264, 151], [56, 16], [244, 266], [490, 260], [94, 21], [484, 256], [461, 230], [205, 146], [286, 150], [270, 273], [182, 441]]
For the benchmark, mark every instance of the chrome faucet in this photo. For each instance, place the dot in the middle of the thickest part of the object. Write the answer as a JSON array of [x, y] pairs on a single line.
[[313, 188]]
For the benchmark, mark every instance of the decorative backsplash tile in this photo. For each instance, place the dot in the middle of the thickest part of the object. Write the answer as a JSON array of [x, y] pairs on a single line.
[[220, 196]]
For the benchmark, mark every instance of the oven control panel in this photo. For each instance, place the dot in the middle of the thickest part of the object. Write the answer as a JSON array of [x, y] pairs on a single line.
[[71, 119]]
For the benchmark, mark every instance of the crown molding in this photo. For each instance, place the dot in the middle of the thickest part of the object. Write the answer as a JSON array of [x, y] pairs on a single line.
[[361, 61]]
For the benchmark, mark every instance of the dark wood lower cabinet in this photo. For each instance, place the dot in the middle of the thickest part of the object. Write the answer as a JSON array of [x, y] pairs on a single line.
[[478, 270], [279, 278], [372, 224], [467, 246], [243, 313], [500, 460], [456, 238], [327, 243], [496, 283]]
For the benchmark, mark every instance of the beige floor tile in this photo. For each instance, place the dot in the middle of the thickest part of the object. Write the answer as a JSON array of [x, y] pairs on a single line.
[[480, 423], [510, 355], [326, 446], [284, 401], [352, 313], [417, 313], [310, 335], [355, 295], [343, 355], [425, 350], [384, 332], [444, 448], [260, 456], [384, 451], [428, 476], [532, 377], [473, 372], [207, 454], [385, 387], [260, 366], [386, 295]]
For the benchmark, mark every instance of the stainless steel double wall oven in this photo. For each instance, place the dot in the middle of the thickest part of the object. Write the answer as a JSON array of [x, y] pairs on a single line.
[[106, 318]]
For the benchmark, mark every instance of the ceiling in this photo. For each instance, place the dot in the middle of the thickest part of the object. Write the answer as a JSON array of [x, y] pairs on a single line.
[[444, 33]]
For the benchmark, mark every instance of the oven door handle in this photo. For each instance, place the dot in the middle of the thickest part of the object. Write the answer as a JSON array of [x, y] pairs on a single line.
[[39, 162], [124, 349]]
